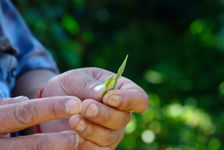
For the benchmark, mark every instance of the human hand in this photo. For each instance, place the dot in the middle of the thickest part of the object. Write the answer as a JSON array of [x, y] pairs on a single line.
[[88, 83], [19, 113], [105, 127]]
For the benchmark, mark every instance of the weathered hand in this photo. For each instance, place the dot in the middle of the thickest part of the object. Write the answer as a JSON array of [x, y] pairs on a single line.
[[20, 113], [99, 124], [104, 127]]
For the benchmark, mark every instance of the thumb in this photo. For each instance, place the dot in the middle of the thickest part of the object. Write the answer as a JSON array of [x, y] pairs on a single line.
[[75, 82]]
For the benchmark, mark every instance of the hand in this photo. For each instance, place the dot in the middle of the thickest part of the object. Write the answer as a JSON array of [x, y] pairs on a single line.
[[20, 113], [104, 127]]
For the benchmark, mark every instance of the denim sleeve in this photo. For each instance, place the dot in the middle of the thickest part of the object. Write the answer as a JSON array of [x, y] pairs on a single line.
[[22, 52], [31, 54]]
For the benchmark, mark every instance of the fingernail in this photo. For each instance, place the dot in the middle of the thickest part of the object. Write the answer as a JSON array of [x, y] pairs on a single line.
[[92, 111], [81, 126], [114, 100], [107, 148], [21, 97], [99, 88], [72, 106], [75, 137]]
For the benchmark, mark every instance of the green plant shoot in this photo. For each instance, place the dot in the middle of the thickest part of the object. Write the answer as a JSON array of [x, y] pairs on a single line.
[[109, 81], [120, 72]]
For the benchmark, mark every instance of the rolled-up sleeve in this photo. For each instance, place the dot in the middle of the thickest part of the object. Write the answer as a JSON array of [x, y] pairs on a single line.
[[20, 51], [30, 53], [36, 58]]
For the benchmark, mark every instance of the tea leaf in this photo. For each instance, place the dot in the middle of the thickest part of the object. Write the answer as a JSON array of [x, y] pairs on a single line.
[[109, 81], [120, 71]]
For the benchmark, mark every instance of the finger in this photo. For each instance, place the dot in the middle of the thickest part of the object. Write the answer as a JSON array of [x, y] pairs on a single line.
[[87, 145], [67, 140], [127, 96], [19, 116], [135, 100], [76, 82], [5, 101], [104, 115], [93, 132]]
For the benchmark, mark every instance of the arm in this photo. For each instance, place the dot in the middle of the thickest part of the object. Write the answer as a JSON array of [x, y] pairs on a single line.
[[35, 64], [31, 82]]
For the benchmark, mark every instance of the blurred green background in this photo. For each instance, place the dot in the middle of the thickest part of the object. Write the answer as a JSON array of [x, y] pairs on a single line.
[[176, 53]]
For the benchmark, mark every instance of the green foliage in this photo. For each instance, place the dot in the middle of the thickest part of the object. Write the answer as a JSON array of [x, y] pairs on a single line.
[[177, 49], [120, 72], [109, 81]]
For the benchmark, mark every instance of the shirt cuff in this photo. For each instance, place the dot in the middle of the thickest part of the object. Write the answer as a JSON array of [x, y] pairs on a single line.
[[37, 62]]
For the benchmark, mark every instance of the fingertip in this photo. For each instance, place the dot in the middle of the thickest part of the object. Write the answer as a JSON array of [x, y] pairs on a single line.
[[144, 105], [77, 123], [113, 100], [90, 108], [73, 138], [74, 120], [76, 140], [133, 100], [73, 106]]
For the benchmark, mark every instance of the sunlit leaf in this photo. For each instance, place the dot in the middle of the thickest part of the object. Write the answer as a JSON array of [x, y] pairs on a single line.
[[120, 71], [109, 81]]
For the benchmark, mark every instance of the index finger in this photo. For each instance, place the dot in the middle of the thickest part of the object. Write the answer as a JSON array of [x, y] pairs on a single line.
[[18, 116], [135, 100]]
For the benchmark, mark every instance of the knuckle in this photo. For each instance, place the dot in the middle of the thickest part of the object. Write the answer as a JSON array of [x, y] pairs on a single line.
[[74, 120], [86, 83], [89, 132], [122, 121], [52, 109], [24, 112], [106, 118], [110, 138], [120, 118]]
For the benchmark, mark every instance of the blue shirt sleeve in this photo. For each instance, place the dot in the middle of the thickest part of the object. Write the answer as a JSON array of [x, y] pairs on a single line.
[[30, 53], [20, 51]]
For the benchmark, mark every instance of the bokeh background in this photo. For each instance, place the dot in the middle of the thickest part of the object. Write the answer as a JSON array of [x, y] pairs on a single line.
[[176, 53]]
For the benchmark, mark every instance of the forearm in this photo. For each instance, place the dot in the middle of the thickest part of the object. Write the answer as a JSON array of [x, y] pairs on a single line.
[[30, 83]]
